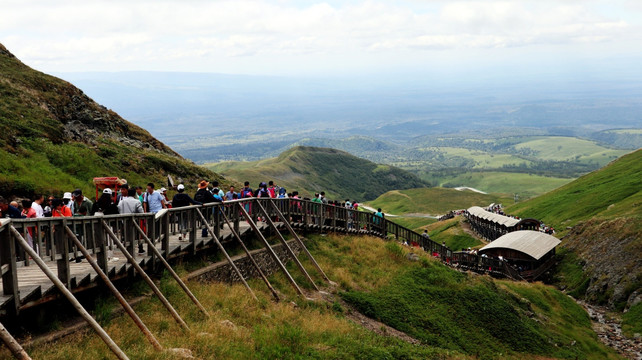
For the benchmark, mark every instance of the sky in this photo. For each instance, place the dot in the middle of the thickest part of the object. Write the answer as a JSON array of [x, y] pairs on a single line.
[[331, 38]]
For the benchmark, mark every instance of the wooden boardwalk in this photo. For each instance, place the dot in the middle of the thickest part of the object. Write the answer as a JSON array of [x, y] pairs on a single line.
[[24, 285], [58, 241], [35, 287]]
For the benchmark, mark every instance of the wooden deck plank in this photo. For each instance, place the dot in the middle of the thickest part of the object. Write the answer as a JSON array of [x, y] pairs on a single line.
[[34, 284]]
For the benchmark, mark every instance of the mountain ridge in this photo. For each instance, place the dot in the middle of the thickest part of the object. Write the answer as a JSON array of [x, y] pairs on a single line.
[[54, 138], [313, 169]]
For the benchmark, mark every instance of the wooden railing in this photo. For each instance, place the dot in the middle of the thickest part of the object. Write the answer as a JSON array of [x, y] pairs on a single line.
[[52, 242]]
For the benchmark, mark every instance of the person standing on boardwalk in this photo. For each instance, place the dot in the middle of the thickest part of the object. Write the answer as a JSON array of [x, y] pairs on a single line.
[[81, 206], [37, 205], [105, 204], [230, 194], [58, 209], [129, 203], [181, 199], [204, 196], [216, 190], [272, 189], [153, 201]]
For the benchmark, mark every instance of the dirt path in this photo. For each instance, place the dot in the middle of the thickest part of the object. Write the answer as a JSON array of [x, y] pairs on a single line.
[[368, 323], [609, 331], [467, 229]]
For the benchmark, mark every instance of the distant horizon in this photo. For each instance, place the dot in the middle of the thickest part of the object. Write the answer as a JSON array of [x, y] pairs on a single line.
[[457, 41]]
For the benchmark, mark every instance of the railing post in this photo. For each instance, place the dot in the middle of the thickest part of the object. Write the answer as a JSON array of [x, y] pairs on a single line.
[[305, 214], [101, 245], [193, 228], [62, 247], [165, 233], [216, 209], [334, 218], [9, 278], [131, 234]]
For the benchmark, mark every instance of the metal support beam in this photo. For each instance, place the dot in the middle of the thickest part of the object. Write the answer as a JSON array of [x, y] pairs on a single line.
[[145, 277], [74, 302], [171, 271], [298, 239], [270, 250], [249, 255], [285, 244], [227, 256], [128, 309]]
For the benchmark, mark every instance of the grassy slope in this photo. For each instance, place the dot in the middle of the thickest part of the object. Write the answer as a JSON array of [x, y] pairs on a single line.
[[526, 185], [310, 169], [434, 201], [603, 249], [480, 159], [455, 315], [452, 233], [560, 148], [41, 152], [619, 184]]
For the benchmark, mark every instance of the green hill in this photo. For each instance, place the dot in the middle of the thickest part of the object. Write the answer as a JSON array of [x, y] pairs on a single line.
[[433, 201], [53, 138], [380, 293], [313, 169], [600, 216]]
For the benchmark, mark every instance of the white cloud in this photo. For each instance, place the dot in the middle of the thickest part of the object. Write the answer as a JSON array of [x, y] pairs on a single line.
[[213, 35]]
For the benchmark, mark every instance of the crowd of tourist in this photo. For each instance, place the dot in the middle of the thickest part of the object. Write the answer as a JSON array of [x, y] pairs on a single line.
[[498, 209], [135, 199]]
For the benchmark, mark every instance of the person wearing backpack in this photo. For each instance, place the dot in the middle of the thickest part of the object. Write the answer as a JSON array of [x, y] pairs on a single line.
[[217, 191], [272, 189], [263, 191], [246, 192]]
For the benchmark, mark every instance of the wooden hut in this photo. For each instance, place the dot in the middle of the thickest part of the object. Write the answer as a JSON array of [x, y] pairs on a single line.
[[532, 252]]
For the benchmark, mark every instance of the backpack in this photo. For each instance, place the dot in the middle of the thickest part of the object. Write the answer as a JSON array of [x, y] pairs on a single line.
[[246, 192], [262, 193], [201, 197], [272, 192]]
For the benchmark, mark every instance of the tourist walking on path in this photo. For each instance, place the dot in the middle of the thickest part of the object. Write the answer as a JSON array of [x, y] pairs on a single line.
[[230, 194], [217, 191], [37, 205], [105, 204], [181, 200], [58, 209], [153, 201], [81, 206]]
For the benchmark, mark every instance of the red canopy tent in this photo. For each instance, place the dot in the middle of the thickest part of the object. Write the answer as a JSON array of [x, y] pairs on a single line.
[[113, 183]]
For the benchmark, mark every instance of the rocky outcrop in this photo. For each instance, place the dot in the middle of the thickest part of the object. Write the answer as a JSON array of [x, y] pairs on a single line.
[[57, 110], [610, 251]]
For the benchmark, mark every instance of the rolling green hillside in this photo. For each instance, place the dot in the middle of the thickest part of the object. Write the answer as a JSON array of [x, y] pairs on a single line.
[[449, 314], [611, 192], [560, 148], [600, 216], [53, 138], [312, 169], [433, 201], [525, 185]]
